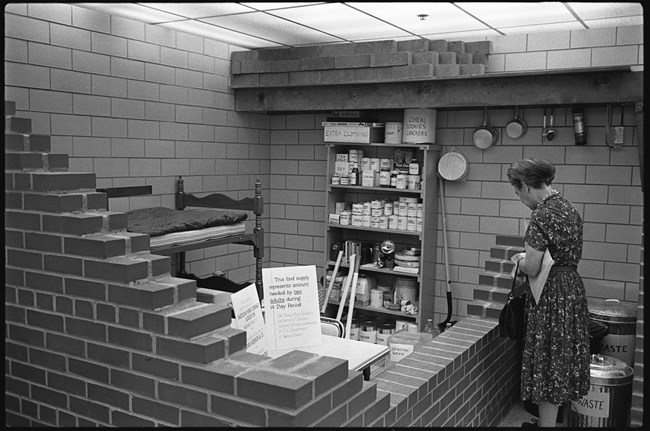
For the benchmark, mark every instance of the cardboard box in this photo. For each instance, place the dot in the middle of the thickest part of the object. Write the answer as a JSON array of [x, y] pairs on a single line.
[[359, 134]]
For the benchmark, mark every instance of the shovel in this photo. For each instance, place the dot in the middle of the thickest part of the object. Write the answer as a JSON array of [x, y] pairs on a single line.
[[447, 322]]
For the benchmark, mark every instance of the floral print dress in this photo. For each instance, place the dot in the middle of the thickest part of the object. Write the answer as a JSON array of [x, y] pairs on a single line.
[[556, 356]]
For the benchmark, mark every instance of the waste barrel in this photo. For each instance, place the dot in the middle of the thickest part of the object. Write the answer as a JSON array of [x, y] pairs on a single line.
[[621, 323], [607, 404]]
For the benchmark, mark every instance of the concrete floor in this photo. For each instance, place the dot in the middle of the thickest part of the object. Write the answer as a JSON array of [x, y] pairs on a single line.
[[517, 416]]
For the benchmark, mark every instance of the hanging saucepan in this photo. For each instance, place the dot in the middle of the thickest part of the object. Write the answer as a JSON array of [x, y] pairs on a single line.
[[517, 127], [485, 136], [453, 166]]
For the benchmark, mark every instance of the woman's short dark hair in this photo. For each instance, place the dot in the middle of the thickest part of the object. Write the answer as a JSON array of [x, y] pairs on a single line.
[[532, 172]]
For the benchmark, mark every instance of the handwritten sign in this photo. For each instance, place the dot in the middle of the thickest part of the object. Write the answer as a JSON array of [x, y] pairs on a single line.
[[291, 307], [248, 317]]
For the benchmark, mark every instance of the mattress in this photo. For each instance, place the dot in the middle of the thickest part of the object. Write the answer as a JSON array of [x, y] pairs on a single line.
[[192, 236], [160, 220]]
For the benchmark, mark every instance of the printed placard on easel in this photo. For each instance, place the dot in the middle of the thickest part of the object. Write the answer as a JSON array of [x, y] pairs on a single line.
[[291, 307], [248, 317]]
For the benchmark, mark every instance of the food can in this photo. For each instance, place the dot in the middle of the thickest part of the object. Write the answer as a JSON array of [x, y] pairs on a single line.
[[392, 221], [375, 164], [401, 222], [411, 224], [384, 179], [388, 208], [393, 132], [400, 183], [353, 156], [386, 164], [365, 221], [365, 164], [376, 298], [368, 332], [384, 330]]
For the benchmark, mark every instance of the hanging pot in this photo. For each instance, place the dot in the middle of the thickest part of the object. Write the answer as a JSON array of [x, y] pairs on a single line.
[[485, 136], [517, 127], [453, 166]]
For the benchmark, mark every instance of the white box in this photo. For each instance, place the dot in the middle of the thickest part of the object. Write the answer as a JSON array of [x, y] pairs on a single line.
[[342, 169], [355, 134], [334, 218]]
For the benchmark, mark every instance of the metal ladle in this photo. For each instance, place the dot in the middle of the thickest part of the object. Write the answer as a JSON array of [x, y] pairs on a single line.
[[550, 132]]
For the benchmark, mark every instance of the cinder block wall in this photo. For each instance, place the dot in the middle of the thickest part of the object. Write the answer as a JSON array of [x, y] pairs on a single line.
[[137, 104]]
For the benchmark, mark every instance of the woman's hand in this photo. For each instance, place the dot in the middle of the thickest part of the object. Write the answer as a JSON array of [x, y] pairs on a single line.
[[517, 257]]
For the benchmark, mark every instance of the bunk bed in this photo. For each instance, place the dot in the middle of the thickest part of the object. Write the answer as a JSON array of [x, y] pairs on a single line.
[[218, 220]]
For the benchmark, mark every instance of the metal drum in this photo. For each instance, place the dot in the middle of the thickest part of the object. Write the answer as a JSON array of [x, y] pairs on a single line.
[[607, 404], [620, 319]]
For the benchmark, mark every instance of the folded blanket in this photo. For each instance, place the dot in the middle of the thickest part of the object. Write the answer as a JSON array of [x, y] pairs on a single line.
[[160, 220]]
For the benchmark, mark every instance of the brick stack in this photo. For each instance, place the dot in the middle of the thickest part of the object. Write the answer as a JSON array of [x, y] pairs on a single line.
[[491, 293], [381, 61], [99, 333]]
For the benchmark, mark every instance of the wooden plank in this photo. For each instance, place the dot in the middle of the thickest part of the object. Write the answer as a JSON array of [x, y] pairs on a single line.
[[588, 87], [127, 191]]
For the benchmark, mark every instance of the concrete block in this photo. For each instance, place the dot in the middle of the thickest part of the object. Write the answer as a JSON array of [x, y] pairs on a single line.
[[465, 58], [143, 51], [109, 45], [303, 52], [274, 79], [479, 58], [275, 54], [69, 37], [449, 57], [479, 47], [457, 46], [413, 71], [285, 65], [391, 59], [446, 70], [317, 63], [247, 80], [174, 57], [414, 45], [429, 57], [240, 56], [352, 61], [381, 46], [438, 45], [50, 56], [472, 69], [337, 49]]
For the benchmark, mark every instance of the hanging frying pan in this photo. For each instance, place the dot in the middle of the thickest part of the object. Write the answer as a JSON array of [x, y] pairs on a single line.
[[485, 136], [453, 166], [517, 127]]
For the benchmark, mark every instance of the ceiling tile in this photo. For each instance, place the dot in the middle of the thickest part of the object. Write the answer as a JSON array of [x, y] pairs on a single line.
[[225, 35], [518, 14], [441, 17], [341, 21], [271, 27], [199, 10]]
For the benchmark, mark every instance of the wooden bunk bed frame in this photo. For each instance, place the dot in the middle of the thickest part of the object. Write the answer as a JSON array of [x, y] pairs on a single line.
[[214, 200]]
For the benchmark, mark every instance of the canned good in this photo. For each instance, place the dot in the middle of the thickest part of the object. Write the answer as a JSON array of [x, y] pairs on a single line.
[[384, 179], [383, 222], [392, 222], [336, 180], [401, 223], [365, 164], [384, 330], [400, 182], [368, 332]]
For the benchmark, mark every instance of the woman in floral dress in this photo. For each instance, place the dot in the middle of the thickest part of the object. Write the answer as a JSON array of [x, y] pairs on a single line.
[[556, 357]]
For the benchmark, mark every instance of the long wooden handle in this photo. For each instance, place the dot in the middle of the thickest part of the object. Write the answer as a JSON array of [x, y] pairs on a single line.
[[355, 277], [331, 283], [346, 287]]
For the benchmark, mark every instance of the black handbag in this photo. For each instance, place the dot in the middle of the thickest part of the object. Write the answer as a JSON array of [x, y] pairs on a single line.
[[512, 320]]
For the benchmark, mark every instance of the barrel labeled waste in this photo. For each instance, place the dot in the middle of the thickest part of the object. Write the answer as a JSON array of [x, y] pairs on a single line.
[[607, 404], [620, 320]]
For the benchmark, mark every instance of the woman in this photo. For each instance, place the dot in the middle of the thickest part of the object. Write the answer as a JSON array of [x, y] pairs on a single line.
[[556, 357]]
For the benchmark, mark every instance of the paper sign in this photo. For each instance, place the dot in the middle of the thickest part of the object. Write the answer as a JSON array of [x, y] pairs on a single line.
[[291, 307], [248, 317]]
